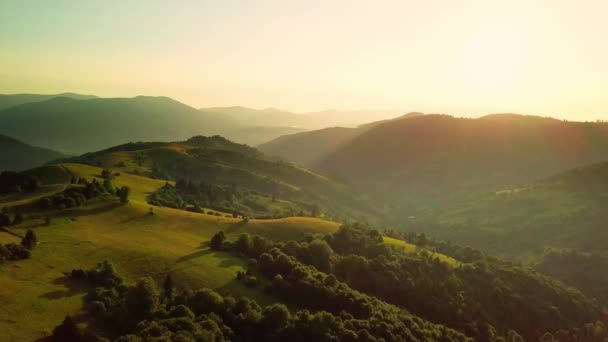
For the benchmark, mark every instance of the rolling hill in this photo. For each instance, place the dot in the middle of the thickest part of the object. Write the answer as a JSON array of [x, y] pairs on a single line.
[[273, 117], [438, 156], [70, 125], [36, 295], [307, 148], [7, 101], [566, 210], [269, 187], [17, 156]]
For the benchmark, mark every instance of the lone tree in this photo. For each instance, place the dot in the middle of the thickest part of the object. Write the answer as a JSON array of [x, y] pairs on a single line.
[[123, 194], [217, 241], [5, 220], [30, 239], [168, 287], [67, 331], [18, 218]]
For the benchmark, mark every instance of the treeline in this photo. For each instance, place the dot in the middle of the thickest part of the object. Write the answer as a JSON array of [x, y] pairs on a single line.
[[13, 251], [194, 196], [80, 192], [13, 182], [143, 312], [486, 300]]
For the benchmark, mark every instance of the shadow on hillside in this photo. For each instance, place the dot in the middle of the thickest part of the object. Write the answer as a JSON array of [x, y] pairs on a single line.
[[86, 211], [71, 288], [195, 255], [78, 318], [135, 218], [231, 261], [33, 225], [235, 227]]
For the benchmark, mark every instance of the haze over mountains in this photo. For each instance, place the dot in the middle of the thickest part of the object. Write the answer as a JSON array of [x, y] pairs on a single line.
[[18, 156], [72, 123], [159, 187]]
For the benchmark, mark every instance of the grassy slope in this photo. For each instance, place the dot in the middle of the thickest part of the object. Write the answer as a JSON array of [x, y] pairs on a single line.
[[17, 156], [35, 296]]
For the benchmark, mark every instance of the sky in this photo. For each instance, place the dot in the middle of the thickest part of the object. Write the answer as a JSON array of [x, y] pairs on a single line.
[[466, 57]]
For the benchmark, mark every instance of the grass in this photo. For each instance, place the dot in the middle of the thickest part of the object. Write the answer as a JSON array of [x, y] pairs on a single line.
[[35, 295], [8, 238], [411, 248]]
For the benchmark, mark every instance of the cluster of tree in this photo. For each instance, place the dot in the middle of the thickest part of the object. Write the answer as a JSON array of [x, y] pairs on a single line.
[[13, 251], [82, 191], [12, 182], [305, 286], [5, 218], [483, 299], [193, 196], [143, 313]]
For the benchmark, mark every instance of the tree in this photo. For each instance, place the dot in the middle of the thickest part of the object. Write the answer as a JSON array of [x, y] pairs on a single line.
[[217, 241], [547, 337], [67, 331], [243, 244], [30, 239], [107, 185], [124, 194], [47, 221], [168, 287], [142, 300], [5, 220], [276, 317], [205, 301], [316, 211], [18, 218]]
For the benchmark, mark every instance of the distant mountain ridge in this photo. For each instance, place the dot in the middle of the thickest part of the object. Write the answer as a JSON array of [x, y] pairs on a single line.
[[438, 153], [17, 156], [307, 148], [76, 123], [78, 126], [7, 101], [305, 121]]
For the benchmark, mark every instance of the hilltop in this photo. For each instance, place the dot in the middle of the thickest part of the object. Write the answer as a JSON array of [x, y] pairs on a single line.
[[17, 156], [307, 148], [73, 126], [256, 184]]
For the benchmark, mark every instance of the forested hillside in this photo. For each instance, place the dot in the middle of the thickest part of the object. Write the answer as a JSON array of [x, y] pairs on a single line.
[[308, 148], [245, 180], [17, 156], [439, 155]]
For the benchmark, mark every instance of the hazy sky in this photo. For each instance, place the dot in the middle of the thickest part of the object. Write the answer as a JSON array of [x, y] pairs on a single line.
[[461, 57]]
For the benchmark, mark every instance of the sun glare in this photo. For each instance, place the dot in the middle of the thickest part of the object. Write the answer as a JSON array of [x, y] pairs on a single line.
[[492, 61]]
